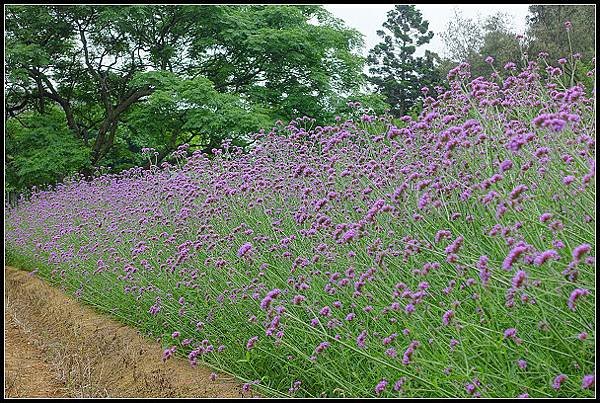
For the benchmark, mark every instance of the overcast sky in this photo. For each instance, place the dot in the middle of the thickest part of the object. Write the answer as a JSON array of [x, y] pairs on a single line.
[[368, 18]]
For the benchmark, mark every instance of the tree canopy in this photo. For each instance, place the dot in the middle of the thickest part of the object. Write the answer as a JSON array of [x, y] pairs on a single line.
[[120, 78], [546, 28], [473, 40], [395, 71]]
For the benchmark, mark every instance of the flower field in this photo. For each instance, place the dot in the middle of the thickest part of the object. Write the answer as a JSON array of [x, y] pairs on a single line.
[[452, 255]]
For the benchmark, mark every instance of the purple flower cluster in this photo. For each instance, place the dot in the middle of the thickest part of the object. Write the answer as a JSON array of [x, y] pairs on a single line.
[[512, 256], [575, 295], [266, 302], [558, 381], [447, 317], [365, 240], [406, 359], [244, 249]]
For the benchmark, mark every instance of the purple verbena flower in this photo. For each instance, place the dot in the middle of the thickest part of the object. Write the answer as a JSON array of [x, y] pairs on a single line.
[[575, 295], [360, 340], [244, 249], [558, 381], [543, 257], [251, 342], [512, 256], [588, 381], [580, 250], [380, 387], [448, 315], [519, 278]]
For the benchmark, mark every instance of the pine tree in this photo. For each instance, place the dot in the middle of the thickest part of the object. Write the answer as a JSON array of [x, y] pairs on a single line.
[[394, 70]]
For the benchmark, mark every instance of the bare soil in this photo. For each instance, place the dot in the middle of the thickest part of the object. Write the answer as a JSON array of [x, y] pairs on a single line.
[[26, 374], [56, 347]]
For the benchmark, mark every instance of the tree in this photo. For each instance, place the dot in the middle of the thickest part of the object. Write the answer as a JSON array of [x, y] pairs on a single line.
[[474, 40], [190, 112], [82, 59], [395, 71], [274, 56], [40, 149], [463, 37], [546, 29], [471, 40], [99, 64]]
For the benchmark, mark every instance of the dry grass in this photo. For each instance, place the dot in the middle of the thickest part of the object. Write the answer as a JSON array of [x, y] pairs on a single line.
[[94, 356], [27, 374]]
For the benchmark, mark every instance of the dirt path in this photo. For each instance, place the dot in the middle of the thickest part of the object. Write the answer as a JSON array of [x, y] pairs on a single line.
[[26, 375], [58, 347]]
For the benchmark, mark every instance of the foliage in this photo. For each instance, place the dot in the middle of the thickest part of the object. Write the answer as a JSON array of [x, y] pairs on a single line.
[[546, 29], [395, 71], [365, 103], [40, 149], [101, 64], [501, 43], [473, 40], [193, 112], [462, 37], [275, 57]]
